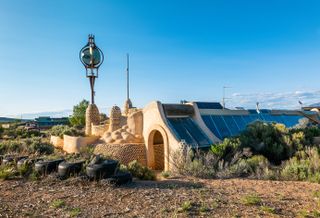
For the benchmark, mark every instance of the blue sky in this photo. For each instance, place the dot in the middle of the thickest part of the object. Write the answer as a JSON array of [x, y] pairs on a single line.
[[179, 50]]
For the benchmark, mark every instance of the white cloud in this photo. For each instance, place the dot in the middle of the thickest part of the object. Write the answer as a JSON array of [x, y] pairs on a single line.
[[284, 100]]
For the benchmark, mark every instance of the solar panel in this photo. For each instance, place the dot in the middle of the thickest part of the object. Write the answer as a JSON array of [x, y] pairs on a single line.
[[231, 124], [211, 125], [209, 105], [223, 126], [242, 124], [186, 129]]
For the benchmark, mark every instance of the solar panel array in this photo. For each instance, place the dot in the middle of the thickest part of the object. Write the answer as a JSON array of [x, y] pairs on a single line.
[[186, 129], [223, 126]]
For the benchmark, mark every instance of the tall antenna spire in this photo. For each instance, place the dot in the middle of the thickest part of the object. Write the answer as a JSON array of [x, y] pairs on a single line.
[[128, 97]]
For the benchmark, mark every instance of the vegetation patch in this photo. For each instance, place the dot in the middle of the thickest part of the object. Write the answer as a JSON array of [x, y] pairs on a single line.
[[139, 171], [268, 209], [57, 203], [7, 172], [74, 212], [252, 199], [185, 206]]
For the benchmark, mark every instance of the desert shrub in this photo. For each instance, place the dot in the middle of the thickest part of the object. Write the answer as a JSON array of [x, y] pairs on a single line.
[[165, 174], [61, 130], [257, 162], [73, 131], [7, 172], [42, 148], [12, 146], [310, 133], [256, 166], [26, 146], [305, 165], [227, 148], [19, 132], [26, 169], [140, 171], [188, 162], [58, 130], [270, 140]]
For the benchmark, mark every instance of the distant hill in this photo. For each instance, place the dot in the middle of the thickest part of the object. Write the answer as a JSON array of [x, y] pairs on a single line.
[[10, 120], [62, 113]]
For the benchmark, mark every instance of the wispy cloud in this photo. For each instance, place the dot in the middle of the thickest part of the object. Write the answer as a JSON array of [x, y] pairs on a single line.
[[284, 100]]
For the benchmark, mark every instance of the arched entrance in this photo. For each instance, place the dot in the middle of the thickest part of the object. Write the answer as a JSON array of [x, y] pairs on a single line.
[[156, 151]]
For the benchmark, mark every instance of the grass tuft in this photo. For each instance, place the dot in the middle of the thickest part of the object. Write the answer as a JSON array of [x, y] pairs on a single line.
[[186, 206], [74, 212], [252, 199], [268, 209], [58, 203]]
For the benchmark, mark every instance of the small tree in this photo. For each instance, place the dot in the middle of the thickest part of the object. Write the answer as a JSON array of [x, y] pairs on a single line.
[[1, 131], [79, 114]]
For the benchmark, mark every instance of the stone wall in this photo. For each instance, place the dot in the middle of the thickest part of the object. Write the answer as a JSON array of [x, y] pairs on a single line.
[[125, 153], [158, 150]]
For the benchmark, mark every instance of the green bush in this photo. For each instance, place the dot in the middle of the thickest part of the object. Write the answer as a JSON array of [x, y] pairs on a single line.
[[1, 131], [227, 148], [7, 172], [26, 146], [73, 131], [270, 140], [304, 166], [188, 162], [140, 171], [58, 130], [257, 162], [79, 114], [61, 130], [42, 148], [19, 132], [12, 146], [165, 174]]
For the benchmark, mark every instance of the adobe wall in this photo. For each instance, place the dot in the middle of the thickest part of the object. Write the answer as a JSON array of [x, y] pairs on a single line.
[[154, 120], [56, 141], [99, 130], [76, 144], [125, 153]]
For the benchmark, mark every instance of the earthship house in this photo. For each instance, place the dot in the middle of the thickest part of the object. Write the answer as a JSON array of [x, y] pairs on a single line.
[[151, 134]]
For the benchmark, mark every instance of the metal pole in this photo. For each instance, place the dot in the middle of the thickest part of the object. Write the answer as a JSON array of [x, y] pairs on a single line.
[[128, 77], [92, 80]]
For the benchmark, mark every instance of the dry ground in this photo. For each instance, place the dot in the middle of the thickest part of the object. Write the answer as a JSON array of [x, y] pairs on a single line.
[[179, 197]]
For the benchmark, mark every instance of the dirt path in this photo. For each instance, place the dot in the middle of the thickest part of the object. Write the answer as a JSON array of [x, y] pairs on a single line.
[[169, 198]]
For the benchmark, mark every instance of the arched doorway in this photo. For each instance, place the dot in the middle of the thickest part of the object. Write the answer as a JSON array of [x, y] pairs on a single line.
[[156, 150]]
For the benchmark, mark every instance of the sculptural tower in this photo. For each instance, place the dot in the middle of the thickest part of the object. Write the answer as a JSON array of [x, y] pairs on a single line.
[[91, 57]]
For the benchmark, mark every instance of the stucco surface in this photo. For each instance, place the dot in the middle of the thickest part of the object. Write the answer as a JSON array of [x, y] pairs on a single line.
[[125, 153], [56, 141], [92, 117], [76, 144]]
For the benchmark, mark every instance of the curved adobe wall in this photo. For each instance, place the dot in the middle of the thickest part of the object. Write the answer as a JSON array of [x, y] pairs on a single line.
[[56, 141], [154, 120], [76, 144]]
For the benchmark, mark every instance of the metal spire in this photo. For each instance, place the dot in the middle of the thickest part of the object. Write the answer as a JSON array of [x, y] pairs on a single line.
[[128, 96]]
